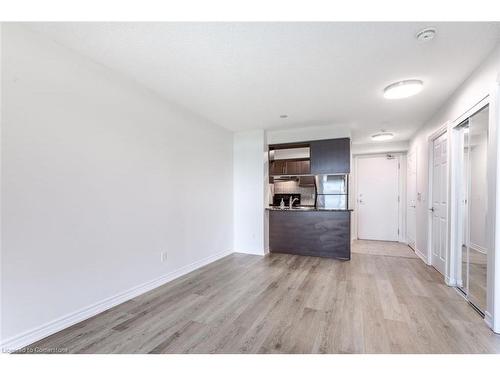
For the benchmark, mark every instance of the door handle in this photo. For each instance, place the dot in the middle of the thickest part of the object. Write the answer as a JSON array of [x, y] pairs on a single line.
[[431, 209]]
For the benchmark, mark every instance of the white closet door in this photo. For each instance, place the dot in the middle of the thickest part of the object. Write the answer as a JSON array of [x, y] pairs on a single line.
[[439, 203]]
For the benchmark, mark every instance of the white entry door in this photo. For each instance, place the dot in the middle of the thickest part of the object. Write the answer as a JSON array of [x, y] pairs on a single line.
[[411, 218], [378, 198], [439, 209]]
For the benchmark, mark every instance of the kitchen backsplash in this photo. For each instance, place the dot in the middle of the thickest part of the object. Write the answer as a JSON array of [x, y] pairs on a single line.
[[290, 187]]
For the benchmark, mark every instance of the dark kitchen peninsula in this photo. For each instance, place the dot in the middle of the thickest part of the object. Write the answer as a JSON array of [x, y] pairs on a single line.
[[323, 233], [308, 213]]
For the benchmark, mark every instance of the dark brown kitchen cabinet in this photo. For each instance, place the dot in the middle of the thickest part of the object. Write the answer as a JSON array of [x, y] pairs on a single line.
[[305, 167], [292, 167], [277, 167], [306, 181], [295, 167], [331, 156], [289, 167]]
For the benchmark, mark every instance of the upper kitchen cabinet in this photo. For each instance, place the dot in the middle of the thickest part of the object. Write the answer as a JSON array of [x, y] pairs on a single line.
[[330, 156], [289, 159]]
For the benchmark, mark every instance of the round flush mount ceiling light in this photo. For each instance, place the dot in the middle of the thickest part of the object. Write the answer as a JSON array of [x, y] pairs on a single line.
[[382, 136], [283, 116], [426, 34], [403, 89]]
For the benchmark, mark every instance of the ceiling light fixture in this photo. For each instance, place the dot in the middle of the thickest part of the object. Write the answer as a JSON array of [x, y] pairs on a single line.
[[382, 136], [426, 34], [403, 89], [283, 116]]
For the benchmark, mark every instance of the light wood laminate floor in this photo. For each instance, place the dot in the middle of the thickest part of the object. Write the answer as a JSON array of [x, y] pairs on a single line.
[[290, 304], [475, 281], [395, 249]]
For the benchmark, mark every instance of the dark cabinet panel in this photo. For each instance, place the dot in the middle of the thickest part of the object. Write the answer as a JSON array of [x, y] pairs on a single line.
[[331, 156], [277, 167], [304, 167], [292, 167], [306, 181], [313, 233], [289, 167], [295, 167]]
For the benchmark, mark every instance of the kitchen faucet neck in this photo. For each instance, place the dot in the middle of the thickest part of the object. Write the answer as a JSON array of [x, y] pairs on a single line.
[[291, 201]]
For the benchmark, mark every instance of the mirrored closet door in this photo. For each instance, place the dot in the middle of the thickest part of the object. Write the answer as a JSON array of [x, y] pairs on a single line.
[[473, 135]]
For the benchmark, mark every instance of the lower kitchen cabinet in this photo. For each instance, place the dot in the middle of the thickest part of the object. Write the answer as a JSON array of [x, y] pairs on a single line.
[[313, 233]]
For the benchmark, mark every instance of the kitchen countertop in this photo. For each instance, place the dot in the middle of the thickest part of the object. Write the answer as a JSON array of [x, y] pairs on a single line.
[[301, 209]]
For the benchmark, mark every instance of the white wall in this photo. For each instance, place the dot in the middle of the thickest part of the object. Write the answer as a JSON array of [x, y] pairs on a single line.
[[379, 147], [310, 133], [478, 204], [482, 82], [476, 87], [98, 176], [249, 191]]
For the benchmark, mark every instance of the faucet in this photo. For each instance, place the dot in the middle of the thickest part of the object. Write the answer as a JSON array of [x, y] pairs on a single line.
[[291, 201]]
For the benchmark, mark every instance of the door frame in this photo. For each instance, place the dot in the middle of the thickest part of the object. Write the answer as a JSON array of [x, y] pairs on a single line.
[[415, 156], [401, 157], [443, 129]]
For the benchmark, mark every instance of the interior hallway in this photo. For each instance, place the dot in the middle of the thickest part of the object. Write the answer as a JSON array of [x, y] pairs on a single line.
[[382, 248], [291, 304]]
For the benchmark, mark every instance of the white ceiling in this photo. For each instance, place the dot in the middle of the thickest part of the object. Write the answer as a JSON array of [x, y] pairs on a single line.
[[245, 75]]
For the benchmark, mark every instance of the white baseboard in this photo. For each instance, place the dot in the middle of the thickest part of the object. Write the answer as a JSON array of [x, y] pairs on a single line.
[[252, 252], [488, 319], [421, 256], [478, 248], [449, 281], [56, 325]]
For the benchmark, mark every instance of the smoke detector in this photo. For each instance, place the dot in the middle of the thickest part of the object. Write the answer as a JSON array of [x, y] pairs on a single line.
[[426, 34]]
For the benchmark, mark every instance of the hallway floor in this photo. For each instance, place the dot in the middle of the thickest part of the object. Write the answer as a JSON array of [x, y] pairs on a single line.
[[290, 304], [476, 279], [396, 249]]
